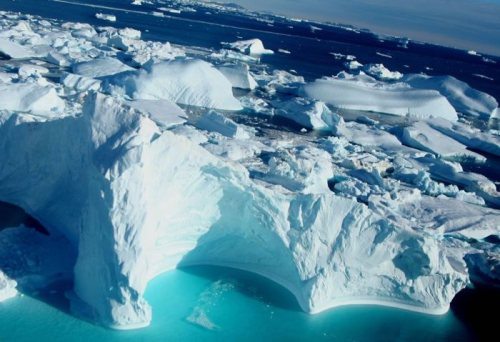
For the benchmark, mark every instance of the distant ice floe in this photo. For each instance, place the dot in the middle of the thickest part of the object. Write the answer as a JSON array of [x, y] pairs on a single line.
[[107, 17], [141, 160], [252, 47]]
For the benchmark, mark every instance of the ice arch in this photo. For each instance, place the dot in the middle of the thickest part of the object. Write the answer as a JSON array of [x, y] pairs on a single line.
[[135, 201]]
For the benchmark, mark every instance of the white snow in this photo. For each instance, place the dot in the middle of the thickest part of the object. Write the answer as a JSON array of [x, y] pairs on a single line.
[[184, 81], [27, 70], [472, 138], [80, 83]]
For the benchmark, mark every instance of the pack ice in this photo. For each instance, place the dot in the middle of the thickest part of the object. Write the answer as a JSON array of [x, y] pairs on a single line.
[[136, 166]]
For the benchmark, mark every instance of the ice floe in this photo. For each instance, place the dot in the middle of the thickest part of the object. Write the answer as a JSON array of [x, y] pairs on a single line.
[[252, 47]]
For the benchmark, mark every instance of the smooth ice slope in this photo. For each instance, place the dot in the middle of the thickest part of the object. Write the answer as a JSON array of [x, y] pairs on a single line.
[[184, 81]]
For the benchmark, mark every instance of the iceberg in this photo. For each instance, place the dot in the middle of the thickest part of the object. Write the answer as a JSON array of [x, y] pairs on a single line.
[[327, 250], [15, 50], [134, 172], [183, 81], [306, 113], [462, 97], [164, 113], [380, 72], [356, 95]]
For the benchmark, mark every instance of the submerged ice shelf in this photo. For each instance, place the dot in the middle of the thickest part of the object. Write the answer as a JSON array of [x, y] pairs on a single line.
[[130, 185]]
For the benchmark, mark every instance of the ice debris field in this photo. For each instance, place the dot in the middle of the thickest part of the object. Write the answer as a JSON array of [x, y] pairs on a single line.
[[138, 157]]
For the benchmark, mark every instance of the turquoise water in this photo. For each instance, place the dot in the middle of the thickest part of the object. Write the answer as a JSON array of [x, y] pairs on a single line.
[[210, 303]]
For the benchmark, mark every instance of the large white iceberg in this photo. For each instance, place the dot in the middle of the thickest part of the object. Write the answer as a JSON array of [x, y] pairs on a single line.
[[129, 221], [464, 98], [184, 81], [357, 95]]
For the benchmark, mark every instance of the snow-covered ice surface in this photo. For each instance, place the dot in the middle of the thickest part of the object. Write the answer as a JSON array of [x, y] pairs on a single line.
[[139, 157]]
